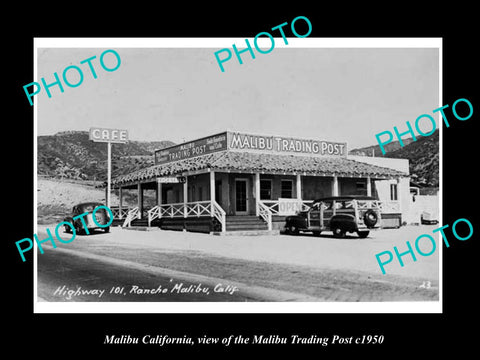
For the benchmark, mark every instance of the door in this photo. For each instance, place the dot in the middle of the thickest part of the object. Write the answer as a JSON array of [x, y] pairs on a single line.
[[315, 216], [241, 201], [327, 212]]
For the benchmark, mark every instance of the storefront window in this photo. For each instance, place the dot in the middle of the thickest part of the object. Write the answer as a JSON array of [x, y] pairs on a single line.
[[287, 189], [266, 189]]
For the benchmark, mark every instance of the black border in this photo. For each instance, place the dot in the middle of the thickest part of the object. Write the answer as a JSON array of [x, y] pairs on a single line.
[[60, 335]]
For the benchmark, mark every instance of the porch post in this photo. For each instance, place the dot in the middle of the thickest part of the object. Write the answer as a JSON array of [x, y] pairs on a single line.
[[159, 193], [257, 193], [185, 196], [140, 199], [335, 185], [299, 187], [120, 202], [212, 186], [369, 186]]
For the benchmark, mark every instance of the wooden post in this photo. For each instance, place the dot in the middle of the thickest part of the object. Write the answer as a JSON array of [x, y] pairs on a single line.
[[369, 186], [120, 194], [299, 187], [159, 193], [185, 196], [257, 193], [140, 199], [335, 185], [109, 173], [212, 186]]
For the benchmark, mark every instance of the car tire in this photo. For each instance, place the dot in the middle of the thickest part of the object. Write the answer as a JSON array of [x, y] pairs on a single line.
[[363, 234], [79, 230], [370, 218], [292, 230], [67, 229], [107, 229], [338, 232]]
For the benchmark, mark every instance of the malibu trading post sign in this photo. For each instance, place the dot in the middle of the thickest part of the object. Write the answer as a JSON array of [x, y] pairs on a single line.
[[252, 143], [108, 135], [288, 145]]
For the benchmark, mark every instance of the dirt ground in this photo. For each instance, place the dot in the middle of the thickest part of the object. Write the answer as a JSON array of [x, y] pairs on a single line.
[[324, 267]]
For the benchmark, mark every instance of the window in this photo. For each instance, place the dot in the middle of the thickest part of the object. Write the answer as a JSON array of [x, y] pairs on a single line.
[[393, 192], [266, 189], [200, 194], [287, 189]]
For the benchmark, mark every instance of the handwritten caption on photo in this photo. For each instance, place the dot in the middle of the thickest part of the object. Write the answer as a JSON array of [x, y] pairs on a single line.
[[176, 288]]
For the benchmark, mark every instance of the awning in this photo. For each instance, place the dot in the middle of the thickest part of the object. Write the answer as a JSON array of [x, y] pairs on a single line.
[[264, 163]]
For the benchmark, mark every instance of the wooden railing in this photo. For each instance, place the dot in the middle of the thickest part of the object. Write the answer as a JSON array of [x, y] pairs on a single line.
[[117, 214], [265, 213], [153, 213], [190, 209], [131, 215], [219, 214]]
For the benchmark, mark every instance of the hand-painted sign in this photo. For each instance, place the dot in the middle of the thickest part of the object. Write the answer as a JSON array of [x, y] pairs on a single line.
[[172, 180], [289, 206], [192, 149]]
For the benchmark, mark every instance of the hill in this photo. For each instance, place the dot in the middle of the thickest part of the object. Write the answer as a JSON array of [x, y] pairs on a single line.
[[71, 155], [422, 154]]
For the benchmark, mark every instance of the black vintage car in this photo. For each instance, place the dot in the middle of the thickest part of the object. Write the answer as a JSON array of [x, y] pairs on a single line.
[[339, 214], [101, 217]]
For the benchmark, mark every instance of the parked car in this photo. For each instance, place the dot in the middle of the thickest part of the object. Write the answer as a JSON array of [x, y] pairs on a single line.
[[101, 216], [339, 214]]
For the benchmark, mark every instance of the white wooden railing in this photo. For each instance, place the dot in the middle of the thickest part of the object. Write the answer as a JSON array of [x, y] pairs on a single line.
[[190, 209], [153, 213], [132, 214], [265, 213], [219, 214], [117, 214]]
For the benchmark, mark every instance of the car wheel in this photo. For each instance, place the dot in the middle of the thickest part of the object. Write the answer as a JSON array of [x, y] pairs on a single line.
[[67, 229], [338, 232], [363, 234], [293, 230], [79, 230], [370, 218], [107, 229]]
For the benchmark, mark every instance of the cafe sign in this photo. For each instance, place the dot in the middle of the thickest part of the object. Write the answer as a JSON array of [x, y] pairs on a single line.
[[108, 135]]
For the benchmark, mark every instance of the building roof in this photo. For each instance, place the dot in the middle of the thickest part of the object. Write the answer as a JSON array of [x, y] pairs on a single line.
[[239, 161]]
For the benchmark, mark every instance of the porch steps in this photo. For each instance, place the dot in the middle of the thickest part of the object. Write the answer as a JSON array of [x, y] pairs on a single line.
[[245, 223], [246, 232], [136, 223]]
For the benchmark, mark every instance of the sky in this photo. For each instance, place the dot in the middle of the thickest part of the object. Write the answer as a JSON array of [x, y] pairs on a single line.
[[180, 94]]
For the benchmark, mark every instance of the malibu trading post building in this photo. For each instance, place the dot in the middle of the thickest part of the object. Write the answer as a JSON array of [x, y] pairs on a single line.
[[234, 181]]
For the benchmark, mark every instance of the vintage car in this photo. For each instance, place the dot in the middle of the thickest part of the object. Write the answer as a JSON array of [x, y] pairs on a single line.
[[101, 217], [339, 214]]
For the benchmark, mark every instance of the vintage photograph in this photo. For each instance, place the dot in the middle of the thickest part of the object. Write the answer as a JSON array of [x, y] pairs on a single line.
[[168, 185]]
